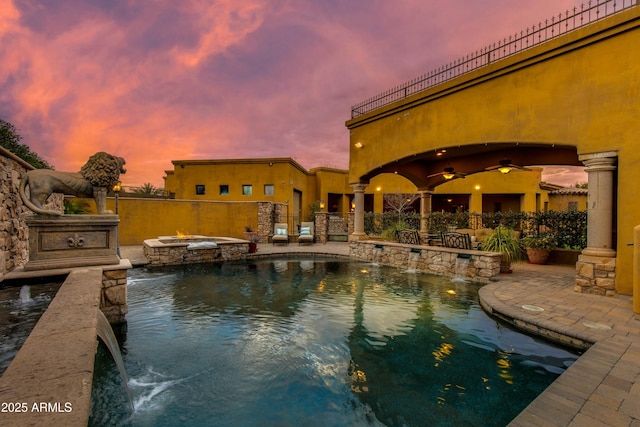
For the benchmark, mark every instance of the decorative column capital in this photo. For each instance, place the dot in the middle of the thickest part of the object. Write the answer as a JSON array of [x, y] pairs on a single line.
[[599, 161], [359, 188]]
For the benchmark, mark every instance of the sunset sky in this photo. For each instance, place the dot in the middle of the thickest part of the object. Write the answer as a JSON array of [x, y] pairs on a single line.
[[162, 80]]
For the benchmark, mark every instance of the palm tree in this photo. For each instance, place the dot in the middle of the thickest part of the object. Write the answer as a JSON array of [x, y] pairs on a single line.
[[147, 189]]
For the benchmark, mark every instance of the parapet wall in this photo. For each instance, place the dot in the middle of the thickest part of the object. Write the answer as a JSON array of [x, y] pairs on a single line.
[[431, 259]]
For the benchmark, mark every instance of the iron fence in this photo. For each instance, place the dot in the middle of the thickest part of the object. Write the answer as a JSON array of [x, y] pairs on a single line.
[[538, 33], [569, 228]]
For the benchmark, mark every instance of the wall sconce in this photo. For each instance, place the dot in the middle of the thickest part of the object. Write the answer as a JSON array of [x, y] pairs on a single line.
[[358, 144], [322, 205], [353, 206]]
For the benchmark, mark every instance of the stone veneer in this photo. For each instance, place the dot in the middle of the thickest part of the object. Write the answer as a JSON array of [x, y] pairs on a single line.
[[113, 298], [596, 275], [174, 252], [431, 259], [14, 234]]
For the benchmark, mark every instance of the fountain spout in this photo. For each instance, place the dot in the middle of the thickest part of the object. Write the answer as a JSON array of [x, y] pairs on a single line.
[[105, 333]]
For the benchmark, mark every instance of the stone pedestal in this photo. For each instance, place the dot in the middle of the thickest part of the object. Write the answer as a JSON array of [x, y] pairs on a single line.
[[72, 241], [596, 275], [321, 226]]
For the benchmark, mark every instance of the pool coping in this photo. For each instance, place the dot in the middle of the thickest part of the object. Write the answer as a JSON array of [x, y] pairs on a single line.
[[49, 380]]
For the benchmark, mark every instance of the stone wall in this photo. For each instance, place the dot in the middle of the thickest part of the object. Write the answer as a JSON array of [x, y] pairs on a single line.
[[159, 253], [431, 259], [113, 299], [14, 235]]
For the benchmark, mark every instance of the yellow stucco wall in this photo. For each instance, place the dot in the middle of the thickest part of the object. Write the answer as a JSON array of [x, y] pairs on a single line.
[[318, 183], [580, 89], [142, 219], [286, 176], [585, 97], [561, 202]]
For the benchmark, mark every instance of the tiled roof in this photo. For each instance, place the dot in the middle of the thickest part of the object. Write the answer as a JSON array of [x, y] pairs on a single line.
[[570, 191]]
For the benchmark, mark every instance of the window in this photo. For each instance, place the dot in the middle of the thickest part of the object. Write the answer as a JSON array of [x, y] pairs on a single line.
[[200, 189], [268, 189], [224, 190], [247, 190]]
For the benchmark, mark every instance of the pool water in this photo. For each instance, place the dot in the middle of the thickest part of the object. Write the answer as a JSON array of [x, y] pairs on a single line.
[[21, 306], [316, 342]]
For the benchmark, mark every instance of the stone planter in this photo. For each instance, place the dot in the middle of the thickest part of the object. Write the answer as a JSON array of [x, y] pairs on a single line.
[[538, 256], [505, 267]]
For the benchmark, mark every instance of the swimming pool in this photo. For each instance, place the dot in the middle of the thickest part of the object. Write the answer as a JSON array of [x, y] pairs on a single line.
[[316, 342], [22, 302]]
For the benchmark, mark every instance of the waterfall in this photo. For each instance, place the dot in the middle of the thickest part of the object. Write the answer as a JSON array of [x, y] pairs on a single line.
[[377, 255], [412, 262], [105, 333], [462, 263], [25, 295]]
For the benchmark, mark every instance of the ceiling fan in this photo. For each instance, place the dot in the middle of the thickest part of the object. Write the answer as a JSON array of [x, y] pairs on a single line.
[[448, 173], [506, 166]]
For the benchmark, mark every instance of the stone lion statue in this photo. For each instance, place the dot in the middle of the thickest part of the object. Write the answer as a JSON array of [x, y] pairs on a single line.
[[96, 177]]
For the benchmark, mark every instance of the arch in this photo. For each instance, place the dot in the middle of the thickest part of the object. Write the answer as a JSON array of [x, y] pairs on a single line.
[[474, 158]]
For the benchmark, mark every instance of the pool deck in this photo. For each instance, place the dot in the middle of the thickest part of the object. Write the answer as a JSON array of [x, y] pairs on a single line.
[[602, 388]]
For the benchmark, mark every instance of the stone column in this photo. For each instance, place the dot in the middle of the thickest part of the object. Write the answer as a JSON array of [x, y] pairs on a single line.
[[599, 168], [265, 221], [358, 219], [596, 267], [321, 226], [425, 210]]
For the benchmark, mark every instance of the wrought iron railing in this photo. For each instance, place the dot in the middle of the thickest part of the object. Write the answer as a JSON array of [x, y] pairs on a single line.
[[542, 32], [569, 228]]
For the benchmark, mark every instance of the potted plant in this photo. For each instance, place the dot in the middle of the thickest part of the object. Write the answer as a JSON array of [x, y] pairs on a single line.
[[505, 241], [252, 237], [539, 247]]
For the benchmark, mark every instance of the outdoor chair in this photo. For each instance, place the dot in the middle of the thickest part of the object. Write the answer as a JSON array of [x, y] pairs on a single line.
[[306, 233], [410, 237], [280, 234], [456, 241]]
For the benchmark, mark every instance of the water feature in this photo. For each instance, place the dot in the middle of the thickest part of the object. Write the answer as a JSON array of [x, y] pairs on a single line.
[[377, 254], [25, 295], [412, 261], [462, 264], [21, 305], [316, 342], [105, 333]]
